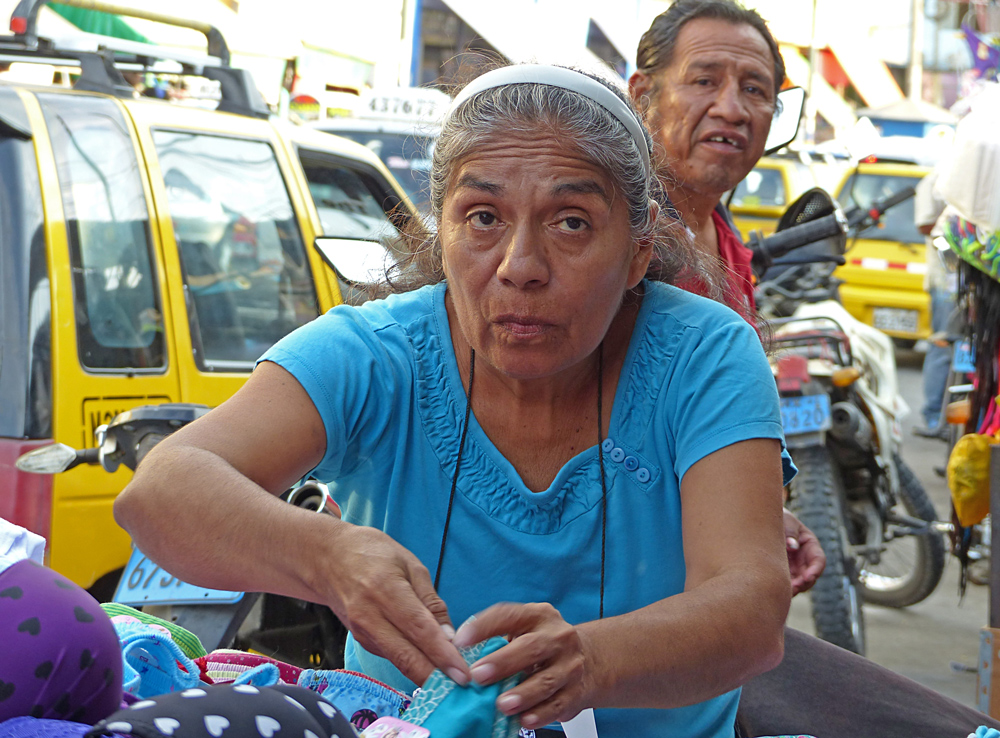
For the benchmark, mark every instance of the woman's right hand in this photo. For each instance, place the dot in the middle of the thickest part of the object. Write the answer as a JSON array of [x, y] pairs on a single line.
[[385, 597]]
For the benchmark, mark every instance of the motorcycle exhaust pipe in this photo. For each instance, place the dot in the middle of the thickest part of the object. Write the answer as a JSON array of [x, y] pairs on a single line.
[[849, 425]]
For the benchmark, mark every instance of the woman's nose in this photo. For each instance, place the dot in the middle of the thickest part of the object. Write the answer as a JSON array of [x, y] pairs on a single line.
[[524, 264]]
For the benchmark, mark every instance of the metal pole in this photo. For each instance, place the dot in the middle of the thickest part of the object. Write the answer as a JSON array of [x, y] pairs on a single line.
[[915, 75], [995, 531], [813, 64]]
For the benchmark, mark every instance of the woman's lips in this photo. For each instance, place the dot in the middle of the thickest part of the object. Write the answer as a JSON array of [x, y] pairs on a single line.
[[517, 326]]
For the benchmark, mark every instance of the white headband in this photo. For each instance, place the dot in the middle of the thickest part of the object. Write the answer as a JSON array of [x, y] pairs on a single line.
[[568, 79]]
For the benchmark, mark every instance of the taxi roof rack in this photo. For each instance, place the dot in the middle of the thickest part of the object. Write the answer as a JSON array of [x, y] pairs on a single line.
[[99, 57]]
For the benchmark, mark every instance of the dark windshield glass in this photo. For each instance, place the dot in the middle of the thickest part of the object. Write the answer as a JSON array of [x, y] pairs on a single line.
[[408, 157], [897, 223], [119, 316], [762, 187]]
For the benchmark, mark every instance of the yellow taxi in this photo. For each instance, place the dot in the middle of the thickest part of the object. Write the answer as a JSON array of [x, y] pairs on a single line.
[[883, 279], [762, 197], [150, 252]]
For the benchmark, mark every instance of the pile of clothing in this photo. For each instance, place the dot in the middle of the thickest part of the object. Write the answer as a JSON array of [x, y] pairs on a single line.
[[73, 668]]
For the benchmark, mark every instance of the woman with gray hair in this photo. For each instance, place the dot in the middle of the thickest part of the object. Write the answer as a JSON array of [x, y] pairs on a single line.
[[536, 428]]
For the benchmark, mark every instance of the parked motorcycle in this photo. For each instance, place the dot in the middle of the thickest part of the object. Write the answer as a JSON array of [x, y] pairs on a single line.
[[841, 410], [295, 631]]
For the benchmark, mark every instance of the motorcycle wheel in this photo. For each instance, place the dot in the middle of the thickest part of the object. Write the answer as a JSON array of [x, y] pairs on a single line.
[[816, 499], [910, 566]]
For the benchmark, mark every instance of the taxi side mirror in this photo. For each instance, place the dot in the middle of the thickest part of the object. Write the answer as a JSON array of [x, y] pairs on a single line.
[[788, 116], [356, 261]]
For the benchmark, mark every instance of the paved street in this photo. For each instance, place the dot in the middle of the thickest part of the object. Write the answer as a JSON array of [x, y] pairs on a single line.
[[936, 641]]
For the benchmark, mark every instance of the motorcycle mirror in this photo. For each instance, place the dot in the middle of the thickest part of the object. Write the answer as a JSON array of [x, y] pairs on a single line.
[[356, 261], [785, 124], [48, 460]]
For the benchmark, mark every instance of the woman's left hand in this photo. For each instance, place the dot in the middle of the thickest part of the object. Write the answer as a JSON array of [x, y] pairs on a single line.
[[552, 654]]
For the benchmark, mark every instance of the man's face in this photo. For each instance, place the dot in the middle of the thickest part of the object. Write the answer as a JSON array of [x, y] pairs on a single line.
[[711, 108]]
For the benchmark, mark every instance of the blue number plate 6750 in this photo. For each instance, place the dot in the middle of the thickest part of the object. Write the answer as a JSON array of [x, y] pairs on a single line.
[[807, 414], [144, 583]]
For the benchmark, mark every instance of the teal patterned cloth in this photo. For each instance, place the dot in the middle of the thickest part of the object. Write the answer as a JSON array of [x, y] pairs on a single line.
[[975, 245], [448, 710]]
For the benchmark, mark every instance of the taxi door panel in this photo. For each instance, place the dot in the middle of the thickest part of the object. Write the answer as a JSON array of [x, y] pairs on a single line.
[[234, 239], [111, 346]]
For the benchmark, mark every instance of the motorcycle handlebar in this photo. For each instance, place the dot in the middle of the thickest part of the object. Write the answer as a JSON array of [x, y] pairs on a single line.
[[766, 250], [858, 217]]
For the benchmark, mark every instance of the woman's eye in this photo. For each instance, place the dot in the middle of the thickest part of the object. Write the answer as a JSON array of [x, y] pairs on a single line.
[[483, 218], [573, 224]]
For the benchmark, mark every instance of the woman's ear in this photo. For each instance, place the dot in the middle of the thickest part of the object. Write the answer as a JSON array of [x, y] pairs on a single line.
[[643, 250]]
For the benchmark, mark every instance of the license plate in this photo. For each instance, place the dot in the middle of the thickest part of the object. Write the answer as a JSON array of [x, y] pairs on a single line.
[[895, 319], [805, 414], [145, 583], [965, 358]]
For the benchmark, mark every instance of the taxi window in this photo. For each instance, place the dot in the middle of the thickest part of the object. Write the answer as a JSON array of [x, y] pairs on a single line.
[[119, 321], [761, 187], [246, 276], [407, 156], [897, 224], [351, 204]]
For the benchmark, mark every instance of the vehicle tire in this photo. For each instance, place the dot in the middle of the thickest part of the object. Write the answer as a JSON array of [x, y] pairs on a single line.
[[836, 597], [911, 566]]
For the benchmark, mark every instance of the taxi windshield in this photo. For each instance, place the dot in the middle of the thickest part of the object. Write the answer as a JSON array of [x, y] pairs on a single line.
[[406, 155], [897, 224]]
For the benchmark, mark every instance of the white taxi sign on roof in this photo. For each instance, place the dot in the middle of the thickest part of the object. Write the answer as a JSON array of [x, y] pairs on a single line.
[[416, 104]]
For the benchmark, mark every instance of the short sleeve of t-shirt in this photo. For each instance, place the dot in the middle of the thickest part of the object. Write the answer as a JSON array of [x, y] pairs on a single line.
[[720, 390], [354, 363]]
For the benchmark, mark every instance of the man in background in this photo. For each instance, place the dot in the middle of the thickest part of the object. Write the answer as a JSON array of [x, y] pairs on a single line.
[[707, 80], [708, 76], [941, 284]]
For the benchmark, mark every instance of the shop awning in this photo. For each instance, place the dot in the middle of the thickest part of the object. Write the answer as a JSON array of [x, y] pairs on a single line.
[[868, 74], [828, 103], [94, 21], [530, 31]]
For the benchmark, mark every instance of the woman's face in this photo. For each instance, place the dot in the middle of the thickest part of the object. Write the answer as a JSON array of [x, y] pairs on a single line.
[[537, 253]]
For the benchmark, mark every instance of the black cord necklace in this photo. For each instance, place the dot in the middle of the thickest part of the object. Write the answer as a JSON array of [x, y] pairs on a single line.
[[600, 457]]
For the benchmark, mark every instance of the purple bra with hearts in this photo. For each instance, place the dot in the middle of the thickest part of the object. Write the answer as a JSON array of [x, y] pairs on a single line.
[[60, 658]]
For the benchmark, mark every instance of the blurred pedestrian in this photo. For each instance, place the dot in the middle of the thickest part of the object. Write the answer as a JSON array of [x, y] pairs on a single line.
[[941, 283]]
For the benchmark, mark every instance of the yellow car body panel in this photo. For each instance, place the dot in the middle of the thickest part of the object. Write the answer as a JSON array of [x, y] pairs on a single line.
[[883, 277], [84, 542]]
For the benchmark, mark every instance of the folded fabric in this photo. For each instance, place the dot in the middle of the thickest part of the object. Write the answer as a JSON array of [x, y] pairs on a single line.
[[184, 638], [17, 544], [230, 711], [226, 665], [153, 663], [364, 699], [449, 710], [265, 675], [59, 655], [29, 727]]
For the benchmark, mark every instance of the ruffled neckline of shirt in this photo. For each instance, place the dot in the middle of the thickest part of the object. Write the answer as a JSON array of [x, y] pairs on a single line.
[[487, 479]]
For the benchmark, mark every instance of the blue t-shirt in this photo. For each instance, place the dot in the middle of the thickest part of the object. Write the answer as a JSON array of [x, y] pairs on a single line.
[[385, 381]]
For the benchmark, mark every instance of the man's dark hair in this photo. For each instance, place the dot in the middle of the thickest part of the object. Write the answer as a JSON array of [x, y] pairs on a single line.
[[656, 47]]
